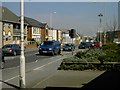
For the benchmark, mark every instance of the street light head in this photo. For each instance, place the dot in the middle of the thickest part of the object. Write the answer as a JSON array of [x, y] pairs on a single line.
[[100, 15]]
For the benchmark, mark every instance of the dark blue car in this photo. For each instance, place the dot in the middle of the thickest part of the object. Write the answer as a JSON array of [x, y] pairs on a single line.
[[50, 47], [68, 47]]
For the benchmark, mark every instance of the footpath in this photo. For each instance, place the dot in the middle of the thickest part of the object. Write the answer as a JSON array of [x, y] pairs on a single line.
[[81, 80]]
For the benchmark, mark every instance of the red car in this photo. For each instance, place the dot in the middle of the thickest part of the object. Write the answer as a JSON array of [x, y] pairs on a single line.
[[96, 44]]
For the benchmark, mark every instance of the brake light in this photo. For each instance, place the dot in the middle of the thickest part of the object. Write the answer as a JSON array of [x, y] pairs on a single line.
[[10, 49]]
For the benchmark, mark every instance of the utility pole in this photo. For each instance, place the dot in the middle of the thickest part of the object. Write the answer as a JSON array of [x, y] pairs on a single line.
[[22, 57], [100, 29]]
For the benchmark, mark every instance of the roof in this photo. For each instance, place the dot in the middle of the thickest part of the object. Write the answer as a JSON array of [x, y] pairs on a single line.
[[8, 15], [33, 22]]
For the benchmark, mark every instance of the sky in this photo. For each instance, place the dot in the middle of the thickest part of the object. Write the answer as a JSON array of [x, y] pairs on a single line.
[[81, 16]]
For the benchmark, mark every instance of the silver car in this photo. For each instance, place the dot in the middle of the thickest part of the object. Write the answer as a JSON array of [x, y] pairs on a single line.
[[11, 49]]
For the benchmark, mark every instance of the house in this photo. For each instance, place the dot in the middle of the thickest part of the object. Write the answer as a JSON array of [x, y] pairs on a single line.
[[11, 27], [67, 39], [44, 32], [54, 34], [33, 29], [59, 35]]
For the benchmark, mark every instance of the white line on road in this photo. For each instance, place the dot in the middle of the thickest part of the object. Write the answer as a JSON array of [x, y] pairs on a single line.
[[10, 79], [39, 68]]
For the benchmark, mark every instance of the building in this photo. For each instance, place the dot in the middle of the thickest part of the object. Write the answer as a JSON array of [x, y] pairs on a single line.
[[11, 27], [33, 29]]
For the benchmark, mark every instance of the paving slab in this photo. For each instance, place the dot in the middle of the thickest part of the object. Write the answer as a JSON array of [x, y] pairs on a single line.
[[69, 79]]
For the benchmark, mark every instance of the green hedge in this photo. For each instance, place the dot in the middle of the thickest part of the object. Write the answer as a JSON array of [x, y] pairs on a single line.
[[108, 53]]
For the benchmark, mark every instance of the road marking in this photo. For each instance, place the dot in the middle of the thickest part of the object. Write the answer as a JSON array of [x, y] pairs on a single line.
[[38, 68], [10, 79]]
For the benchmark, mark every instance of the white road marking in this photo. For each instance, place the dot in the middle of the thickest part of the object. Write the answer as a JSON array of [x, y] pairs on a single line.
[[38, 68], [10, 79]]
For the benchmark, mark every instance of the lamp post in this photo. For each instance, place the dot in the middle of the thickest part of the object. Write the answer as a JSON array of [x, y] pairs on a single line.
[[51, 22], [22, 57], [100, 29]]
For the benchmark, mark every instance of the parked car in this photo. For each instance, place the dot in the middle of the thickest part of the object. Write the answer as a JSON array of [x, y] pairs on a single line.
[[68, 47], [95, 44], [11, 49], [1, 55], [50, 47], [84, 45]]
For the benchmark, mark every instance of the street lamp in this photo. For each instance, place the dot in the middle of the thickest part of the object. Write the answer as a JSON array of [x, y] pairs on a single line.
[[51, 22], [22, 57], [100, 29]]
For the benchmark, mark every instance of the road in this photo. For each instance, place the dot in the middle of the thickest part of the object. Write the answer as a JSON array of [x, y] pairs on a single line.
[[38, 68]]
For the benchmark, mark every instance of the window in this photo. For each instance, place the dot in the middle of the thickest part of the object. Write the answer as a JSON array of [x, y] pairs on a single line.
[[9, 35], [3, 26], [3, 35], [9, 25]]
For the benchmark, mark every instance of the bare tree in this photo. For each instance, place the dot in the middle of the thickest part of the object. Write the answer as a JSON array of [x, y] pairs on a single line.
[[112, 27]]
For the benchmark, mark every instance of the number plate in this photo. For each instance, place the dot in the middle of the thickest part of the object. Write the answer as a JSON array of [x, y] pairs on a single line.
[[44, 51]]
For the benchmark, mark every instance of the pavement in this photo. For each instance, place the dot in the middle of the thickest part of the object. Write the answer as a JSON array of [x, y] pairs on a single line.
[[69, 79], [81, 80]]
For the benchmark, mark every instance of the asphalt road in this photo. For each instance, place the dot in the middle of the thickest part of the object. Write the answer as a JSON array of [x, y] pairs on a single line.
[[38, 68], [14, 61]]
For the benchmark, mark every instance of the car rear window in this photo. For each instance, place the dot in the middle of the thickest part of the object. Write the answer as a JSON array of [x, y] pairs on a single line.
[[8, 46], [48, 43]]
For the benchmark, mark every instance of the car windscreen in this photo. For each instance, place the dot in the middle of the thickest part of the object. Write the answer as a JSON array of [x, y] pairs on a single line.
[[48, 43], [8, 46], [67, 45], [83, 43]]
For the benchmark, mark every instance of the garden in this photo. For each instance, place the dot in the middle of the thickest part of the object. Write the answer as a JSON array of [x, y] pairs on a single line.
[[95, 58]]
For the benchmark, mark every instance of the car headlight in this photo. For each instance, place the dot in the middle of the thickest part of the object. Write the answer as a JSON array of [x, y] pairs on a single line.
[[40, 48], [50, 48]]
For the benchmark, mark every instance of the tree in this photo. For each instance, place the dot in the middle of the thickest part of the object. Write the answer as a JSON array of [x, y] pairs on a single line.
[[112, 27]]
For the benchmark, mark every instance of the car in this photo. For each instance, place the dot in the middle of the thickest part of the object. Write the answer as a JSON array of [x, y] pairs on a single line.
[[11, 49], [1, 55], [95, 44], [84, 45], [68, 47], [50, 47]]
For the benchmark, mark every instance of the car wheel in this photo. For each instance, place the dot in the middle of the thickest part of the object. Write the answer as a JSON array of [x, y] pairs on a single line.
[[14, 53], [59, 52]]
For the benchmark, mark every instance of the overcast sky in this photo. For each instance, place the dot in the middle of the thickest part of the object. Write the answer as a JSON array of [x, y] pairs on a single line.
[[82, 16]]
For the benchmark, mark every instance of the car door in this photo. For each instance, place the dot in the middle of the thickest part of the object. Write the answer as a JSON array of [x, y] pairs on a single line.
[[18, 49]]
